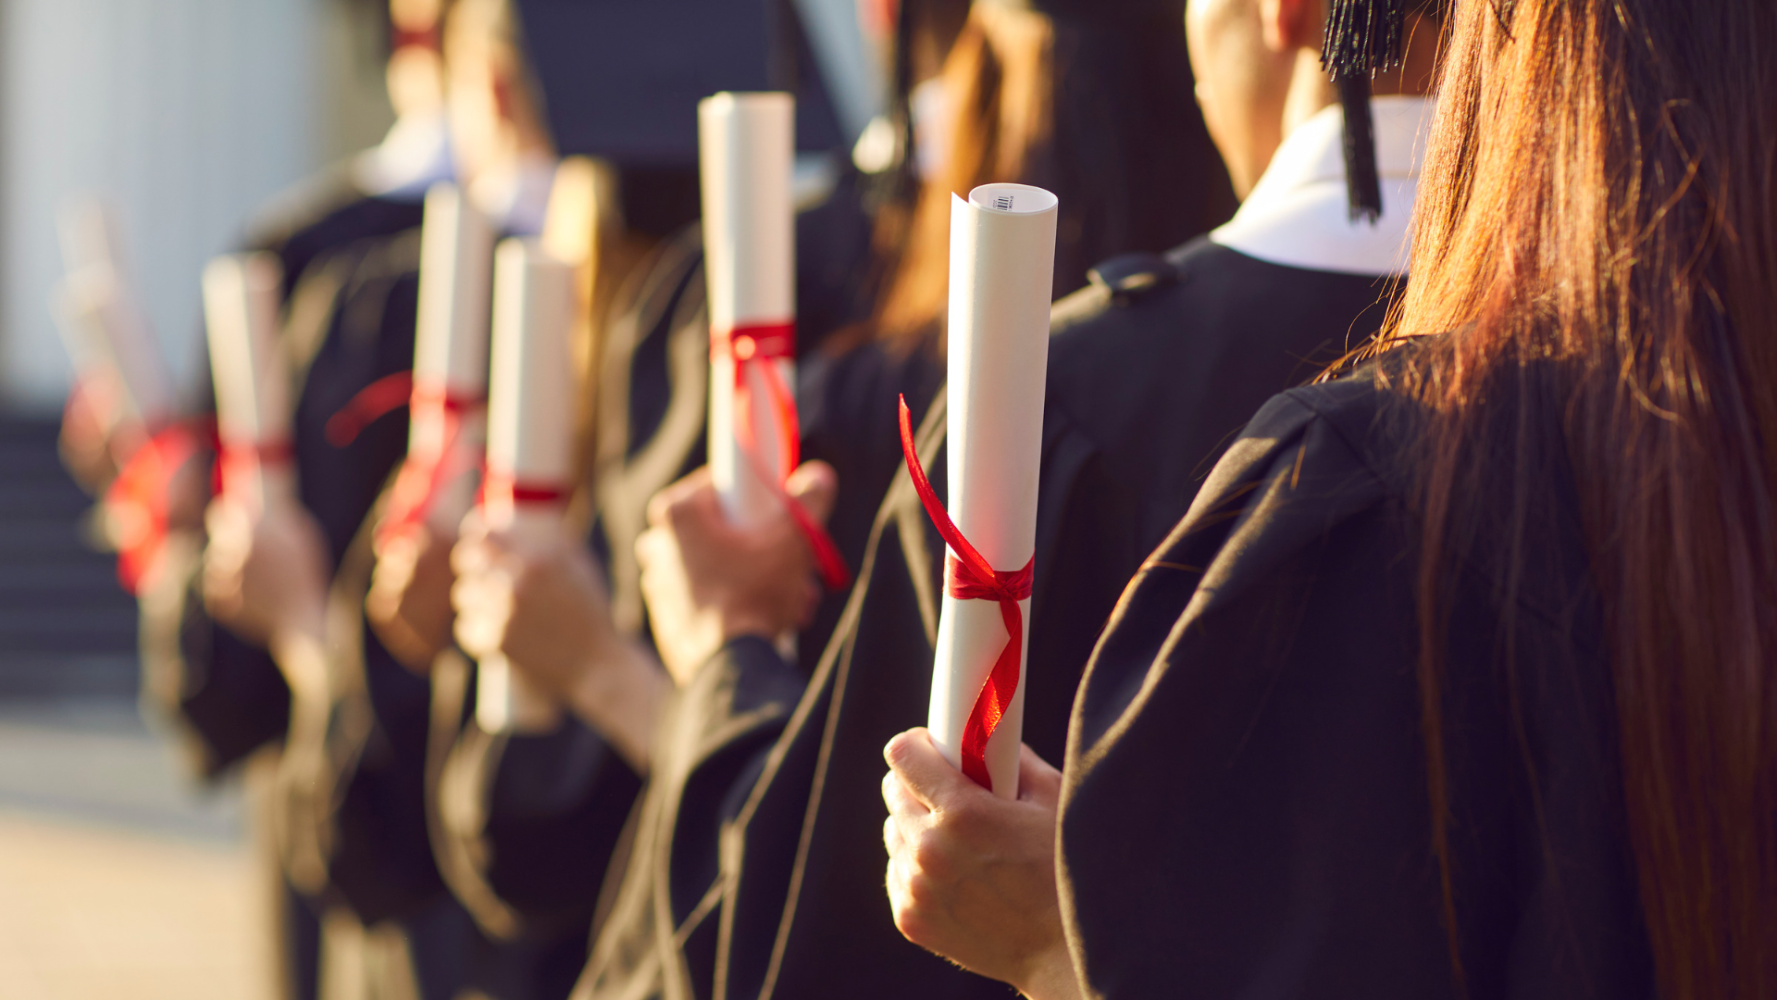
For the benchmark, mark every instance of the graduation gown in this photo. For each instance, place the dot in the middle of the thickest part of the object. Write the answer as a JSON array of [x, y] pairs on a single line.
[[1245, 806], [758, 861]]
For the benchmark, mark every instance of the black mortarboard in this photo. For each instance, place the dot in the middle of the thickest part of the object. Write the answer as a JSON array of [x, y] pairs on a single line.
[[620, 79], [1364, 37]]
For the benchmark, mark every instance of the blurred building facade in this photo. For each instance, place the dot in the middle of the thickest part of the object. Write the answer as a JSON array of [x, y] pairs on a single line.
[[185, 115]]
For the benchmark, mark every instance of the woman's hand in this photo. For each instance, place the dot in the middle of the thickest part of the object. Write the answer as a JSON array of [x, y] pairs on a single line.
[[266, 577], [971, 876], [534, 597], [266, 574], [538, 600], [85, 440], [708, 581], [409, 600]]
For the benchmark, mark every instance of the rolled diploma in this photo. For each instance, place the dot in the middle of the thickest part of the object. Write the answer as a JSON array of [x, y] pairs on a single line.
[[241, 308], [106, 328], [530, 425], [451, 337], [1002, 262], [746, 151]]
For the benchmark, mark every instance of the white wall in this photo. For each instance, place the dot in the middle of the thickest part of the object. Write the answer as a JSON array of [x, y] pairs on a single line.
[[186, 114]]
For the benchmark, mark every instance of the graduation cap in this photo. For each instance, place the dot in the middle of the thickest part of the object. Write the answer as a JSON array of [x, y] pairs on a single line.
[[620, 79], [1363, 38]]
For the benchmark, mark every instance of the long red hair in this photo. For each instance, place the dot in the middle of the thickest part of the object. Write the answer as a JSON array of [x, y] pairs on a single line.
[[1598, 223]]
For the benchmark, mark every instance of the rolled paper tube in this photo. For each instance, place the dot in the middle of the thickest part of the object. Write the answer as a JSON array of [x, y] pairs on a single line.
[[746, 146], [450, 359], [106, 329], [530, 428], [1002, 259], [251, 375], [108, 338]]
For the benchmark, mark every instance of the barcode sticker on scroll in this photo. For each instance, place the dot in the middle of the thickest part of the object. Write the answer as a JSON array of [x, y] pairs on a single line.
[[1003, 203]]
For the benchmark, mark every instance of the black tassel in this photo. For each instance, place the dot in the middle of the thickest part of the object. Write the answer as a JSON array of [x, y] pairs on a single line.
[[1363, 185], [1363, 38]]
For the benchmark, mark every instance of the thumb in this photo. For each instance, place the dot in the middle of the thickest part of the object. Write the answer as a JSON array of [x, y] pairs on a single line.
[[922, 768], [815, 486]]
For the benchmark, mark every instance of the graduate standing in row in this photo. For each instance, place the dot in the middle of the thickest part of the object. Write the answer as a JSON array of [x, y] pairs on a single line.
[[1456, 679], [1151, 372]]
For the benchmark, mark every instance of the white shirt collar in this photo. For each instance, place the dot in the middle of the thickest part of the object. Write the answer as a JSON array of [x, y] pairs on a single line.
[[414, 155], [1298, 213]]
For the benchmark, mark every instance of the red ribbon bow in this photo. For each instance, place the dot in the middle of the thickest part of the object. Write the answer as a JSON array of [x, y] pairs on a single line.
[[424, 474], [970, 577], [757, 347]]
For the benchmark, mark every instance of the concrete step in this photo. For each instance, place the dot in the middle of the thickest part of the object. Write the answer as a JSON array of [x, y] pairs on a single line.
[[66, 627]]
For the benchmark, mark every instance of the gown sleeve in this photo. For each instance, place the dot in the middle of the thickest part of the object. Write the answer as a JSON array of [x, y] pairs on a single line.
[[1245, 807]]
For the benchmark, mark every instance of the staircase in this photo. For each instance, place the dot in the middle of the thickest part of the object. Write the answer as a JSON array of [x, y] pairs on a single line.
[[67, 629]]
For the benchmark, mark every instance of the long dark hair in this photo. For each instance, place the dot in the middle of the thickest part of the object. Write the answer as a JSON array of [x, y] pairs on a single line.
[[1598, 225], [1101, 113]]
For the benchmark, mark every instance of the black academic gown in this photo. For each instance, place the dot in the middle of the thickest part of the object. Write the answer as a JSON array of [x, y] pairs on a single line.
[[1245, 809], [531, 822], [759, 838]]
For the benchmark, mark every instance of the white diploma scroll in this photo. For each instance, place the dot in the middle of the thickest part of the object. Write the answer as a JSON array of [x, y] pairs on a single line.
[[530, 434], [104, 326], [451, 341], [251, 376], [1002, 261], [746, 150]]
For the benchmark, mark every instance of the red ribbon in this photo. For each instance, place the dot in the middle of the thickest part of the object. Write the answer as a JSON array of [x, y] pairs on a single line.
[[757, 347], [420, 38], [970, 577], [237, 461], [424, 474], [506, 487], [140, 496]]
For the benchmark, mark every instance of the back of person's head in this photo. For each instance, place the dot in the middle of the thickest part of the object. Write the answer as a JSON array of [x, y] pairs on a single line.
[[490, 96], [1094, 104], [415, 71], [1597, 230]]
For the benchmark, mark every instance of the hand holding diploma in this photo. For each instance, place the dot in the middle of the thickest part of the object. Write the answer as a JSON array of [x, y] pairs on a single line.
[[265, 567], [746, 149], [409, 600], [971, 874], [118, 434], [530, 455], [709, 581]]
